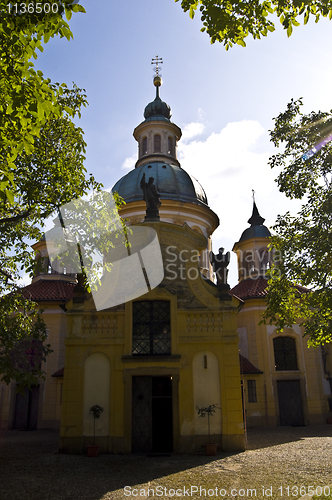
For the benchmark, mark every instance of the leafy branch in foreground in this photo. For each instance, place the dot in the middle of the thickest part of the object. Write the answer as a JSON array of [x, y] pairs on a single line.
[[304, 241], [41, 168], [231, 21], [27, 99], [49, 176], [45, 179], [23, 334]]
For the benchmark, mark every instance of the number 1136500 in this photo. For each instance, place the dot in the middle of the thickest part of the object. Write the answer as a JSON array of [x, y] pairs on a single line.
[[296, 491], [33, 8]]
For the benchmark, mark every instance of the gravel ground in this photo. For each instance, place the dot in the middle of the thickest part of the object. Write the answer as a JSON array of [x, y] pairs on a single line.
[[277, 463]]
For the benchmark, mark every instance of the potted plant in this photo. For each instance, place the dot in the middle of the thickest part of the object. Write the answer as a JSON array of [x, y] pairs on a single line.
[[93, 449], [210, 448]]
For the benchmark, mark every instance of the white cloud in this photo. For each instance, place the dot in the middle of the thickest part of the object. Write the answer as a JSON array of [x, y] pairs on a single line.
[[201, 114], [129, 162], [233, 167], [228, 167], [191, 130], [24, 280]]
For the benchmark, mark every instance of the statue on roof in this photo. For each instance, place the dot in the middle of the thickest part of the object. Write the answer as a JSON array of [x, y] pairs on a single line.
[[219, 263], [150, 194], [151, 198]]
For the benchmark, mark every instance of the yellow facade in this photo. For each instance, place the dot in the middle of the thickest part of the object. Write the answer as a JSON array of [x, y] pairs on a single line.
[[48, 399], [256, 343], [203, 363], [294, 384]]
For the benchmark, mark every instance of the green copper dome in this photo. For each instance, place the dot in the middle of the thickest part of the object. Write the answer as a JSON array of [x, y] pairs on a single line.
[[157, 109], [171, 181]]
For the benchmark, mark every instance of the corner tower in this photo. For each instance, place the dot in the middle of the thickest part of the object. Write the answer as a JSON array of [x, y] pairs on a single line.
[[253, 255]]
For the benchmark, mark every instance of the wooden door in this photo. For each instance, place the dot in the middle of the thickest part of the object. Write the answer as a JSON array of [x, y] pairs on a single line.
[[290, 402], [26, 409], [152, 414]]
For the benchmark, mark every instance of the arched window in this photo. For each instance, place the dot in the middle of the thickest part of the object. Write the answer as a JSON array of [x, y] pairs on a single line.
[[170, 146], [144, 146], [248, 263], [157, 143], [264, 259], [151, 328], [285, 353]]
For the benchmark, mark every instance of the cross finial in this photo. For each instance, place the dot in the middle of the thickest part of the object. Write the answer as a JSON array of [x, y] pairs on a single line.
[[156, 61], [253, 195]]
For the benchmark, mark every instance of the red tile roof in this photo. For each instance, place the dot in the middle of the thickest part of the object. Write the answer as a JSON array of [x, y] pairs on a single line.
[[250, 288], [59, 373], [49, 290], [246, 367], [256, 288]]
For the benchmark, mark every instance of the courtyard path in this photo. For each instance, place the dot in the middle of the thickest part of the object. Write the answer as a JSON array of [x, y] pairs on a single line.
[[277, 463]]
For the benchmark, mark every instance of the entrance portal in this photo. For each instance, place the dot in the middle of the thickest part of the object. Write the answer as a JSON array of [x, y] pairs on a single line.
[[152, 419], [26, 409], [290, 402]]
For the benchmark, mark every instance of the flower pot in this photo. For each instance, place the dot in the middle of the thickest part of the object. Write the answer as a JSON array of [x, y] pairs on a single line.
[[93, 450], [211, 449]]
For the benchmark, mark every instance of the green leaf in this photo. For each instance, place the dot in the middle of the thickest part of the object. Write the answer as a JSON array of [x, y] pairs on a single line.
[[306, 16], [80, 8], [10, 196], [68, 14]]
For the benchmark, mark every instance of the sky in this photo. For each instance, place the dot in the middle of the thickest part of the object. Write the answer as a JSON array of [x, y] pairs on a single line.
[[224, 101]]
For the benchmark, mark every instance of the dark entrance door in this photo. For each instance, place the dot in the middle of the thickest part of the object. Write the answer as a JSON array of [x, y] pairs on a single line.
[[290, 402], [152, 427], [26, 409]]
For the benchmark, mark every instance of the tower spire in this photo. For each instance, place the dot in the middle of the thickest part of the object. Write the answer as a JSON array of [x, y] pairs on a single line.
[[157, 78], [255, 219]]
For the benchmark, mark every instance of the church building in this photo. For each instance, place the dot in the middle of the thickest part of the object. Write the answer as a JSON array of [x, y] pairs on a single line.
[[187, 343]]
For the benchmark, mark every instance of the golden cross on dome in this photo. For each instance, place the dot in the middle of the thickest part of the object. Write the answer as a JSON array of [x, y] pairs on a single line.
[[156, 61]]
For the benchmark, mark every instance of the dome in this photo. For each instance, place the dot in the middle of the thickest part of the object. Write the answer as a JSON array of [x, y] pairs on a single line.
[[256, 230], [157, 109], [171, 181]]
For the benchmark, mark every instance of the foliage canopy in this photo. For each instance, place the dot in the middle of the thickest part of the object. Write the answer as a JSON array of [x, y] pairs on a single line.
[[41, 168], [27, 99], [231, 21], [304, 241]]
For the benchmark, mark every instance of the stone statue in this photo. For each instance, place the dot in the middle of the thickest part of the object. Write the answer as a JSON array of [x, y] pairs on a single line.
[[219, 264], [151, 197], [150, 194]]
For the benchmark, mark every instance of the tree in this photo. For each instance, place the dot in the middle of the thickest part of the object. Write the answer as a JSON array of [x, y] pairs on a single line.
[[23, 334], [45, 179], [304, 242], [231, 21], [41, 168], [27, 99]]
